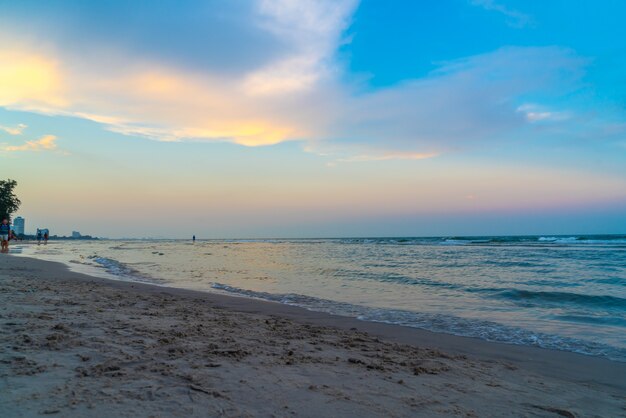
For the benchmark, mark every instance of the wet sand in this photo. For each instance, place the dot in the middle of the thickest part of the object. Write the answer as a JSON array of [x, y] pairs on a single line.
[[72, 345]]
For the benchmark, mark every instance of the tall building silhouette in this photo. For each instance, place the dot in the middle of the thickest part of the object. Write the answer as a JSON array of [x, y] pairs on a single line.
[[18, 225]]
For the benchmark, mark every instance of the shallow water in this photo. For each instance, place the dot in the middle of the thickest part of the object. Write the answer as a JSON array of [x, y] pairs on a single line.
[[556, 292]]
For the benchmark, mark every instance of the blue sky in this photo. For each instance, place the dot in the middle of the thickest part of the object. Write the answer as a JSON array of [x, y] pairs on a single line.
[[316, 118], [406, 41]]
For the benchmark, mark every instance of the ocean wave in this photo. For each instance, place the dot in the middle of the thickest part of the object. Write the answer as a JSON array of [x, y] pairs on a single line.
[[486, 330], [388, 277], [112, 266], [594, 239], [450, 241], [588, 319], [120, 270], [492, 240], [597, 301], [525, 264]]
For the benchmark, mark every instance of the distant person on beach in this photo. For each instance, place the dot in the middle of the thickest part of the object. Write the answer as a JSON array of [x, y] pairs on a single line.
[[5, 234], [45, 238], [39, 236], [194, 238]]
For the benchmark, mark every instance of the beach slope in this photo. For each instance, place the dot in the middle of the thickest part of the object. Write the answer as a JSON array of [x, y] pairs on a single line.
[[73, 345]]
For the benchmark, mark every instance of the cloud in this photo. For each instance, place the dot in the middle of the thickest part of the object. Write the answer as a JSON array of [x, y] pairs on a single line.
[[515, 18], [14, 130], [464, 102], [534, 113], [166, 101], [314, 29], [220, 37], [296, 92], [45, 143], [29, 80]]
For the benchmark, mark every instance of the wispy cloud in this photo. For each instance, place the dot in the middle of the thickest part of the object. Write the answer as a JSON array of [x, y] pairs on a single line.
[[45, 143], [475, 100], [314, 29], [514, 18], [14, 130], [534, 113]]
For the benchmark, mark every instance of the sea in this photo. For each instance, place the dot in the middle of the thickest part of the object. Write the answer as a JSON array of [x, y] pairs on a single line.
[[557, 292]]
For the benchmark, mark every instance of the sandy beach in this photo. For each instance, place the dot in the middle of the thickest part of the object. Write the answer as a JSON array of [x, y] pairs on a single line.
[[72, 345]]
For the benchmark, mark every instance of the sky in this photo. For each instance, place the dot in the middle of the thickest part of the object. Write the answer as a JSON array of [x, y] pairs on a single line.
[[315, 118]]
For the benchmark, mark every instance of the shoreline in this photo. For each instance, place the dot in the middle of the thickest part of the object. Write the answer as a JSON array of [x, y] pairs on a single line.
[[487, 329], [457, 341], [447, 359]]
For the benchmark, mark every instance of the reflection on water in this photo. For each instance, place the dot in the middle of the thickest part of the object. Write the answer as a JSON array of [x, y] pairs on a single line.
[[559, 292]]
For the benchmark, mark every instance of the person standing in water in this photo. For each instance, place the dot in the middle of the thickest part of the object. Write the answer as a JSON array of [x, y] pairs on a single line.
[[194, 238], [39, 236], [45, 238], [5, 234]]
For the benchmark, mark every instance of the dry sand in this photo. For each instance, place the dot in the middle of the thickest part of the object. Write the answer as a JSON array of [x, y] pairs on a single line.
[[73, 345]]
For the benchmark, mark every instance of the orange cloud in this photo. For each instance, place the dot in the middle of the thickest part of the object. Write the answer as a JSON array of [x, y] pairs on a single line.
[[29, 81], [45, 143], [170, 103], [14, 130]]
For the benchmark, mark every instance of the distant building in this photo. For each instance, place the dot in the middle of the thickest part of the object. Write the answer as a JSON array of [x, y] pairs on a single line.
[[76, 234], [18, 225]]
